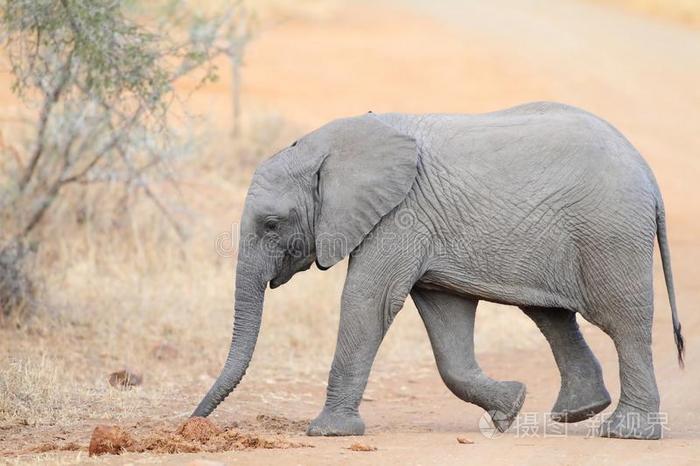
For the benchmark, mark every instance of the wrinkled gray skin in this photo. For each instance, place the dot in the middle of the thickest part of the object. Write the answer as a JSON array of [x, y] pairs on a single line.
[[542, 206]]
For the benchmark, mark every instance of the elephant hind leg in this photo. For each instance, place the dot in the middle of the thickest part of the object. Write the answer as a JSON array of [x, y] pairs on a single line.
[[620, 293], [637, 413], [582, 394], [449, 320]]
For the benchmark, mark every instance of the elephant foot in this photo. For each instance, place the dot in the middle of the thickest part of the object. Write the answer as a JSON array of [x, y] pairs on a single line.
[[509, 401], [628, 422], [334, 424], [587, 399]]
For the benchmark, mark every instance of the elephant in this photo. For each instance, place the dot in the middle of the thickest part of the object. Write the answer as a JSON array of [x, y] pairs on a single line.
[[543, 206]]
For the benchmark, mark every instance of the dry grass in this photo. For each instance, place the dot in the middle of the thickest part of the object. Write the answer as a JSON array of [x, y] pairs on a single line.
[[27, 383]]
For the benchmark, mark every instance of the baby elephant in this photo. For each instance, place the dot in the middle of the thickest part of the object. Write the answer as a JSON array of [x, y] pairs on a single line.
[[541, 206]]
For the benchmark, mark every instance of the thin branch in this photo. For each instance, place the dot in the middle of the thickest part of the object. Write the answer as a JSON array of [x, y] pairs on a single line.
[[52, 194], [12, 150], [71, 20], [50, 99], [48, 200], [114, 141], [151, 195]]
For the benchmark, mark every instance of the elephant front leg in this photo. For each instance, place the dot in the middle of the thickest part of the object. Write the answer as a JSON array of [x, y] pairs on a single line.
[[449, 320], [582, 393], [368, 306]]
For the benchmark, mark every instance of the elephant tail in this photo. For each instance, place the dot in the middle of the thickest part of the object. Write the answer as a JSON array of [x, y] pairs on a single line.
[[662, 237]]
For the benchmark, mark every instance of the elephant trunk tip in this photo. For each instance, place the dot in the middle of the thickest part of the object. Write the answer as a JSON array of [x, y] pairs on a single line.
[[204, 408], [216, 395]]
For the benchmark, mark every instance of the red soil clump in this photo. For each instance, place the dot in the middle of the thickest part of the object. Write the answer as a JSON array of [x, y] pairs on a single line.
[[361, 447], [198, 429], [109, 439]]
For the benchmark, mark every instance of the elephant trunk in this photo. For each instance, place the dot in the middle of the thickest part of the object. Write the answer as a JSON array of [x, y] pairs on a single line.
[[250, 293]]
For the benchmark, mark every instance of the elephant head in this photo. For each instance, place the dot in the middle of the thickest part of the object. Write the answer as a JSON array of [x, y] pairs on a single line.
[[313, 201]]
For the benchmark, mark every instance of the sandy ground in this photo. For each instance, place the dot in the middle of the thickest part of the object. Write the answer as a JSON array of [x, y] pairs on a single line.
[[470, 56]]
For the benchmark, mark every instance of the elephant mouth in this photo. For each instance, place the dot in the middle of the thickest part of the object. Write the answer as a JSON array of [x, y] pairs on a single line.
[[286, 275], [275, 282]]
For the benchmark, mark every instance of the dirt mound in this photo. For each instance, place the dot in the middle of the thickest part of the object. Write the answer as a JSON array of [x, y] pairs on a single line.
[[198, 429], [109, 439], [198, 438], [193, 436]]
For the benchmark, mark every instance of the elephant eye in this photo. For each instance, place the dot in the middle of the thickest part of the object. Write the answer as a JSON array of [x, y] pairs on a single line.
[[271, 224], [294, 144]]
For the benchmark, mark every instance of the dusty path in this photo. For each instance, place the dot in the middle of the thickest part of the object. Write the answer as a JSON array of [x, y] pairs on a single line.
[[474, 56], [470, 56]]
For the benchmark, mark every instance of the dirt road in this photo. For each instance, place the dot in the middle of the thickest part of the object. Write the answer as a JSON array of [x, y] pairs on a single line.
[[470, 56], [639, 73]]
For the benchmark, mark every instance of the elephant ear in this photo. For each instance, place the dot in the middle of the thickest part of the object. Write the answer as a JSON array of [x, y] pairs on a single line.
[[369, 170]]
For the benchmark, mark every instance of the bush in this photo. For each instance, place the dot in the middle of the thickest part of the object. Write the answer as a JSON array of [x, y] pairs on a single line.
[[102, 84]]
